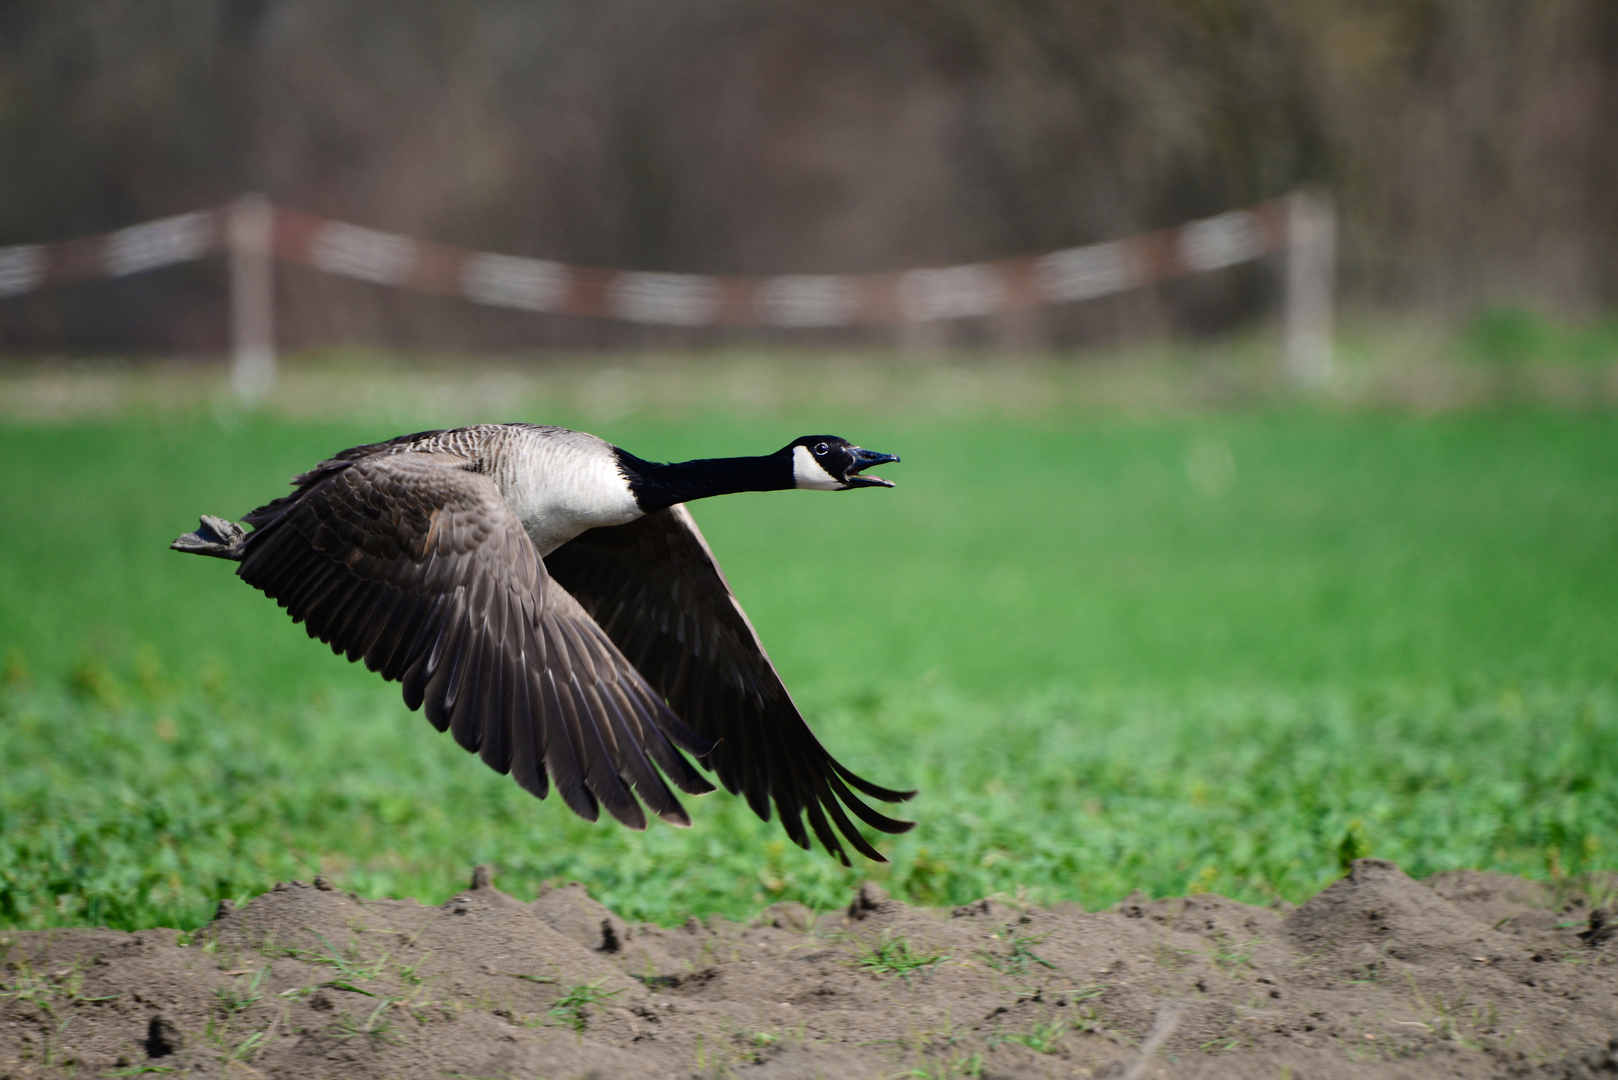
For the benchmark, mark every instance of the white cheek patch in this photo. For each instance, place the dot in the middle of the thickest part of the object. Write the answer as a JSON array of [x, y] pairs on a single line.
[[807, 472]]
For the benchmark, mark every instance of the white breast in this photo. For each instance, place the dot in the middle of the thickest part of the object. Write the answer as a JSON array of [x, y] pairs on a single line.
[[561, 483]]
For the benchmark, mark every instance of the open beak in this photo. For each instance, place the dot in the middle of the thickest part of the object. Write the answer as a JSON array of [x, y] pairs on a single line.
[[864, 459]]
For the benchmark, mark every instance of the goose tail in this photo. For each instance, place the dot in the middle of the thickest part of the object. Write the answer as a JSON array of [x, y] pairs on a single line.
[[214, 536]]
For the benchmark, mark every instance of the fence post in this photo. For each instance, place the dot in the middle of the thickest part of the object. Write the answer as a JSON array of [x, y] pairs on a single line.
[[1311, 266], [1022, 332], [250, 230], [923, 339]]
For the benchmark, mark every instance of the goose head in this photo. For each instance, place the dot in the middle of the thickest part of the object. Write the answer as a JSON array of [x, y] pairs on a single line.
[[827, 463]]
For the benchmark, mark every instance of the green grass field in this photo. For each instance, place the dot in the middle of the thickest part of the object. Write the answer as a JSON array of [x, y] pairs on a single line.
[[1218, 650]]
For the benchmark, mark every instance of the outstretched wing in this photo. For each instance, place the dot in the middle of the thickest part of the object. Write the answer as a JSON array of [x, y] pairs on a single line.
[[418, 567], [654, 586]]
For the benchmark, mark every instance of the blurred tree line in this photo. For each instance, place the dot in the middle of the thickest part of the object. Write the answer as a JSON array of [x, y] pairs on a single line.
[[1472, 144]]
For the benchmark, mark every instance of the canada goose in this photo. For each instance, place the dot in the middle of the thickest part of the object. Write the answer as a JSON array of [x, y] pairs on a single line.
[[549, 599]]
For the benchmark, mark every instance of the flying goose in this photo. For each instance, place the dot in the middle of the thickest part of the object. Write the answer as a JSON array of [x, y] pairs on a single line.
[[548, 599]]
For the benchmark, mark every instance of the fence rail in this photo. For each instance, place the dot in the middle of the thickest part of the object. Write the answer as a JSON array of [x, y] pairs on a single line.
[[254, 233]]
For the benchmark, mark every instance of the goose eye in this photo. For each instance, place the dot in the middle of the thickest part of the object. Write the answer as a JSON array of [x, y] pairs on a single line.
[[820, 449]]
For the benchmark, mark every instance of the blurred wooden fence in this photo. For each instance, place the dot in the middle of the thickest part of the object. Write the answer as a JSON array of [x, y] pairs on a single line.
[[1301, 227]]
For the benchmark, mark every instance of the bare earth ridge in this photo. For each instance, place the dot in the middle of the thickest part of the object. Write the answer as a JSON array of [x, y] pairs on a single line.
[[1466, 975]]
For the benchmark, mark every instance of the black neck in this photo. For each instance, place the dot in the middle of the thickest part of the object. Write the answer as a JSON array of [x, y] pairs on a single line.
[[656, 486]]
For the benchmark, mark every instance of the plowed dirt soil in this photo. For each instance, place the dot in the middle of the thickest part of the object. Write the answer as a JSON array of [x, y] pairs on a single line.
[[1465, 975]]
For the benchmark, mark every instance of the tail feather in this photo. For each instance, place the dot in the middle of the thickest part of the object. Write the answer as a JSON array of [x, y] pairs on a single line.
[[214, 536]]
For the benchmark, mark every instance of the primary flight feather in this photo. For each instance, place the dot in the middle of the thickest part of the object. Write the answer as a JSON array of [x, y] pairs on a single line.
[[547, 598]]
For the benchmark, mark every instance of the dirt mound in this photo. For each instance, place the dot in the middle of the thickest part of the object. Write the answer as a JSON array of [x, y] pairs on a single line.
[[1467, 975]]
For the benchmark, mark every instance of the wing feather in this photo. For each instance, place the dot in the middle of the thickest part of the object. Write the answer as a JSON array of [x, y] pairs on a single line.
[[410, 561], [392, 653], [464, 723], [498, 695], [654, 587], [528, 741], [562, 753]]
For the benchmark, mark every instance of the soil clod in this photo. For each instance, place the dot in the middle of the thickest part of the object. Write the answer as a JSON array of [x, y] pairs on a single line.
[[1603, 928], [870, 899], [163, 1037]]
